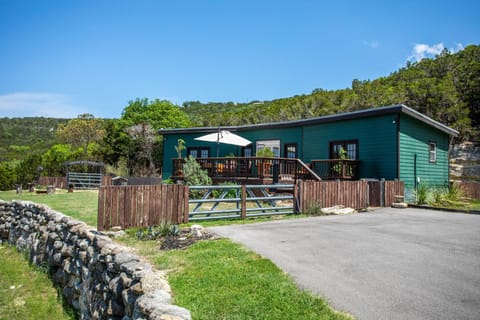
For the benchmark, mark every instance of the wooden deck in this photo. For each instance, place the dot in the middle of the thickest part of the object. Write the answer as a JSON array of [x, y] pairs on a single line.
[[256, 170]]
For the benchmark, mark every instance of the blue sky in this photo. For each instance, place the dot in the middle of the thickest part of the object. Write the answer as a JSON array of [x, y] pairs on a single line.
[[65, 58]]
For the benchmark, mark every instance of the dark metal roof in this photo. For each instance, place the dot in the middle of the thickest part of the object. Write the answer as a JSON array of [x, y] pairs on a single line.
[[399, 108]]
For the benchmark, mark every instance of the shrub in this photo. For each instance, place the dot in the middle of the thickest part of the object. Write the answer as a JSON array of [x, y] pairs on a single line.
[[454, 192], [193, 174], [155, 232], [315, 209], [422, 194], [230, 193]]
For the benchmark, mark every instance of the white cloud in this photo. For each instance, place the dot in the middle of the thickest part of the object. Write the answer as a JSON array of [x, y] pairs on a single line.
[[421, 51], [372, 44], [32, 104]]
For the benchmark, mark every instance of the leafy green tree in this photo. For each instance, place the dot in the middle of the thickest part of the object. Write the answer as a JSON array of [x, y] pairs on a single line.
[[53, 161], [158, 113], [142, 147], [27, 169], [115, 143], [8, 177], [81, 132]]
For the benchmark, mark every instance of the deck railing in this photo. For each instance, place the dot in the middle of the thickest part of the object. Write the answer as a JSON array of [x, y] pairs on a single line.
[[277, 169], [336, 169]]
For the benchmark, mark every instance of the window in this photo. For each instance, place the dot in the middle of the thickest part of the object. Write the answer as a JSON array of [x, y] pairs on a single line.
[[290, 150], [198, 152], [432, 151], [274, 145], [247, 151], [350, 149]]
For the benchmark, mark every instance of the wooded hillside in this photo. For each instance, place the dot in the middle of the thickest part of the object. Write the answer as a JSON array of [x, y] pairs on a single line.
[[446, 89], [21, 137]]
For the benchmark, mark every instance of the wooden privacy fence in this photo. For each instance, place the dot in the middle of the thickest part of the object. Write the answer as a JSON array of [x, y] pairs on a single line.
[[382, 193], [354, 194], [330, 193], [141, 206], [470, 189]]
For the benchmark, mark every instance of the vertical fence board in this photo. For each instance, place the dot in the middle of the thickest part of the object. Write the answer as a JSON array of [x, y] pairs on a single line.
[[470, 189], [101, 210], [356, 194]]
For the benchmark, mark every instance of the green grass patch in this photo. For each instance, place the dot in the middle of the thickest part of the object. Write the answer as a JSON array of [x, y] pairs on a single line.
[[26, 292], [475, 204], [218, 279], [81, 204]]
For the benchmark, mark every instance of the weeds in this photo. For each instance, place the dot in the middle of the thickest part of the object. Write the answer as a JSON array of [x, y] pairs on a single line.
[[422, 194], [315, 209], [156, 232]]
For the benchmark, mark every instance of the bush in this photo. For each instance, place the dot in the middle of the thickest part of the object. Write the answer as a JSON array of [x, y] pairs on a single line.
[[155, 232], [194, 175], [231, 193], [315, 209], [422, 194], [454, 192]]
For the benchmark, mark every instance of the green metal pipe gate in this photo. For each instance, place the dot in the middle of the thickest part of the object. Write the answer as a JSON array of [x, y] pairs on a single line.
[[240, 201]]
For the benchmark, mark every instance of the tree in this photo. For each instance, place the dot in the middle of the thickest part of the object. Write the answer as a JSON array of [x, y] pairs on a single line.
[[141, 161], [53, 161], [140, 120], [81, 132], [8, 176], [27, 170], [158, 113]]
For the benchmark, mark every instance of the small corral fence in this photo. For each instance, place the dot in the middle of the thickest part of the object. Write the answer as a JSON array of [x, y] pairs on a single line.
[[143, 206], [80, 180], [57, 182]]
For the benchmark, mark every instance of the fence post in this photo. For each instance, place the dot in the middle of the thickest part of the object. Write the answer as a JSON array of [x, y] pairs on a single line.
[[244, 201], [186, 208]]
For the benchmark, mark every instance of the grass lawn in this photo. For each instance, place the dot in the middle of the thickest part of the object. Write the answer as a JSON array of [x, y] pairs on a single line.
[[26, 292], [81, 204], [475, 204], [218, 279]]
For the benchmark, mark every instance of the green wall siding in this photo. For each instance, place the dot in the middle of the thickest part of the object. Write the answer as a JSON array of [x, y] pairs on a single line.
[[286, 135], [377, 146], [377, 143], [414, 140]]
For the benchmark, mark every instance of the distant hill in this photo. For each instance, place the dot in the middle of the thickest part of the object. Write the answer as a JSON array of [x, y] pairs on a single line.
[[446, 88], [20, 137]]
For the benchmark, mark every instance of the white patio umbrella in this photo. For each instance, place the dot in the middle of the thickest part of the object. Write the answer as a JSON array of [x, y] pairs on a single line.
[[226, 137]]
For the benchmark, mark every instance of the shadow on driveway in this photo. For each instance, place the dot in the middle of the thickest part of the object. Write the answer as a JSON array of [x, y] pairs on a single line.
[[385, 264]]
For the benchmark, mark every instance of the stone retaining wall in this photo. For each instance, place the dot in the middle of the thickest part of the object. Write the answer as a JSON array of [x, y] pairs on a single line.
[[99, 278]]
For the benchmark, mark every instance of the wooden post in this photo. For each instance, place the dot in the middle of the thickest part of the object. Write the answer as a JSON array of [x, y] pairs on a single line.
[[244, 201]]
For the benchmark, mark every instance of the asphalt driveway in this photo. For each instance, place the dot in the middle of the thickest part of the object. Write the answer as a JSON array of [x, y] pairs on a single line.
[[385, 264]]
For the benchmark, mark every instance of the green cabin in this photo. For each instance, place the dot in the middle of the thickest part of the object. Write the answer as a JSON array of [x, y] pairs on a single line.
[[392, 142]]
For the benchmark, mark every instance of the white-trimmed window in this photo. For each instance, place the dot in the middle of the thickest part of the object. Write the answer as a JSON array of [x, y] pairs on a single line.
[[432, 152]]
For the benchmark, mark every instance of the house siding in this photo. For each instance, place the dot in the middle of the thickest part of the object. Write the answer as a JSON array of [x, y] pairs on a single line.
[[285, 135], [414, 140], [377, 143]]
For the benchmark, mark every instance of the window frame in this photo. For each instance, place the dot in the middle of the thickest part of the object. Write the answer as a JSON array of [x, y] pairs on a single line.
[[245, 153], [286, 152], [344, 144], [199, 151], [432, 152]]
